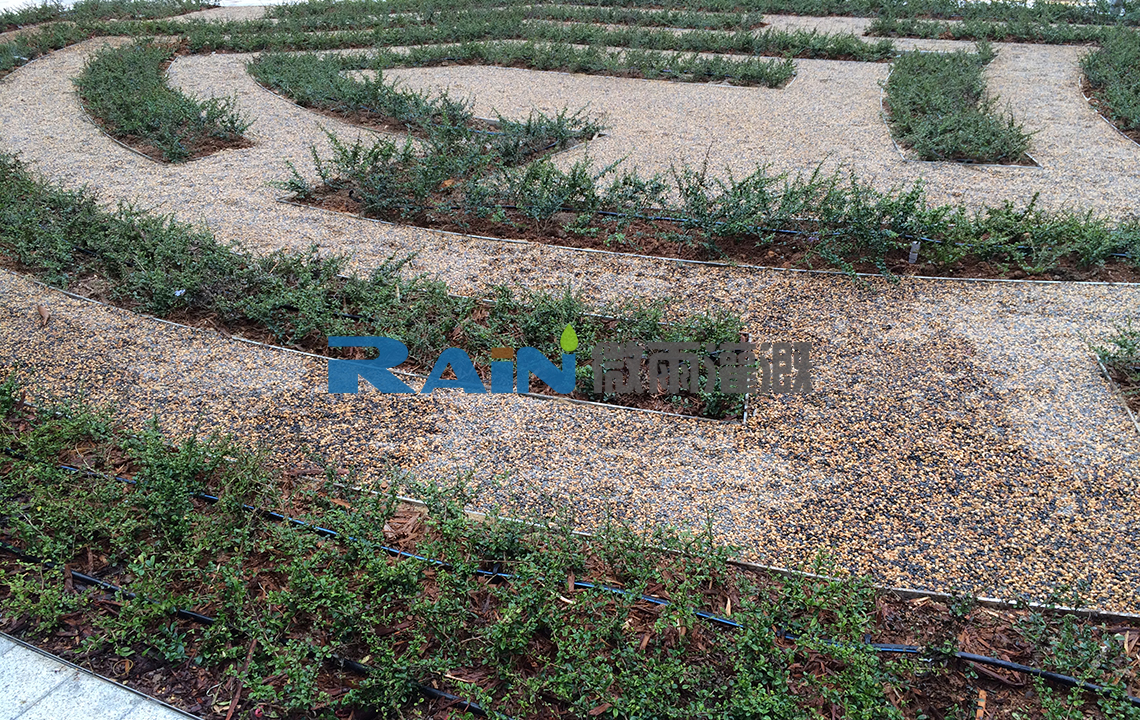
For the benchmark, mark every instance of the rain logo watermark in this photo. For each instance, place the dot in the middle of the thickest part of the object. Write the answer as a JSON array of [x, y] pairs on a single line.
[[618, 368]]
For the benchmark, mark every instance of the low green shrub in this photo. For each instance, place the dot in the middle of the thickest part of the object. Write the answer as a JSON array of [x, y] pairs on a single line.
[[1026, 30], [319, 82], [126, 90], [688, 12], [36, 42], [1113, 76], [90, 10], [512, 24], [1120, 353], [308, 600], [938, 106], [831, 218], [289, 605]]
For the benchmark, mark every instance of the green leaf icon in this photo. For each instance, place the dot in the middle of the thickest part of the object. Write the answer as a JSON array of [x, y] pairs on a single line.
[[569, 340]]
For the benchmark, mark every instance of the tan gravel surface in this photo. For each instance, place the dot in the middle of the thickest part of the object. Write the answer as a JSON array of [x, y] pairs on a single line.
[[831, 25], [223, 14], [961, 435]]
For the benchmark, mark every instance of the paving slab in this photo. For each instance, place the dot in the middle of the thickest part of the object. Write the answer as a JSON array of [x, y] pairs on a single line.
[[90, 697], [25, 678], [38, 686]]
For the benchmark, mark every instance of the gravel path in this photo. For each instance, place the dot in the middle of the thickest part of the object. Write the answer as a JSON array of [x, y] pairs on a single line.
[[224, 14], [961, 435]]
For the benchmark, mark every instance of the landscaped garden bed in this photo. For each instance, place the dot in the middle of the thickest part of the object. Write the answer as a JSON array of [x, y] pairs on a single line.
[[250, 587], [1026, 31], [94, 10], [819, 222], [500, 25], [1112, 79], [938, 107], [283, 592], [125, 90]]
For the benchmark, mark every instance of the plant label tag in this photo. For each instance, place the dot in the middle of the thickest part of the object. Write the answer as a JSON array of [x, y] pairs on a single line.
[[913, 253]]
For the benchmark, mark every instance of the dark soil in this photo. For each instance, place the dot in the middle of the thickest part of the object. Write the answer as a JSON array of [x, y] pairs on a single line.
[[665, 238], [200, 148]]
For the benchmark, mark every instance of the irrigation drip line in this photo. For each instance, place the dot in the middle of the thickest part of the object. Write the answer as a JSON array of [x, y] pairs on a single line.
[[91, 580], [1066, 680], [351, 665], [354, 666]]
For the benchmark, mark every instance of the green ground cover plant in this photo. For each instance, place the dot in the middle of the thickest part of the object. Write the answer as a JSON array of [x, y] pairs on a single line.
[[831, 220], [300, 298], [1113, 78], [37, 42], [318, 82], [59, 26], [88, 10], [289, 605], [374, 23], [686, 19], [126, 91], [561, 57], [1025, 31], [1119, 352], [511, 24], [937, 105], [780, 43], [1097, 12]]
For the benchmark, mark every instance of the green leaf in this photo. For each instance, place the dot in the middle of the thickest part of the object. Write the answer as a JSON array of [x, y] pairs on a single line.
[[569, 339]]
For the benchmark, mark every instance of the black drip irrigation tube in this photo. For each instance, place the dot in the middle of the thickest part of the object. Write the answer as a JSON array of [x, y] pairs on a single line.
[[102, 584], [350, 665], [434, 693]]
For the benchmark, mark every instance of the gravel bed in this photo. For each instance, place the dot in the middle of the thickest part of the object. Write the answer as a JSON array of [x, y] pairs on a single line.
[[961, 436], [226, 14]]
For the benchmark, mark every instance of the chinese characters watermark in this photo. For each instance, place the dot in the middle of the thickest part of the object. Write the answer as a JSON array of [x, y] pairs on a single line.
[[687, 367]]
